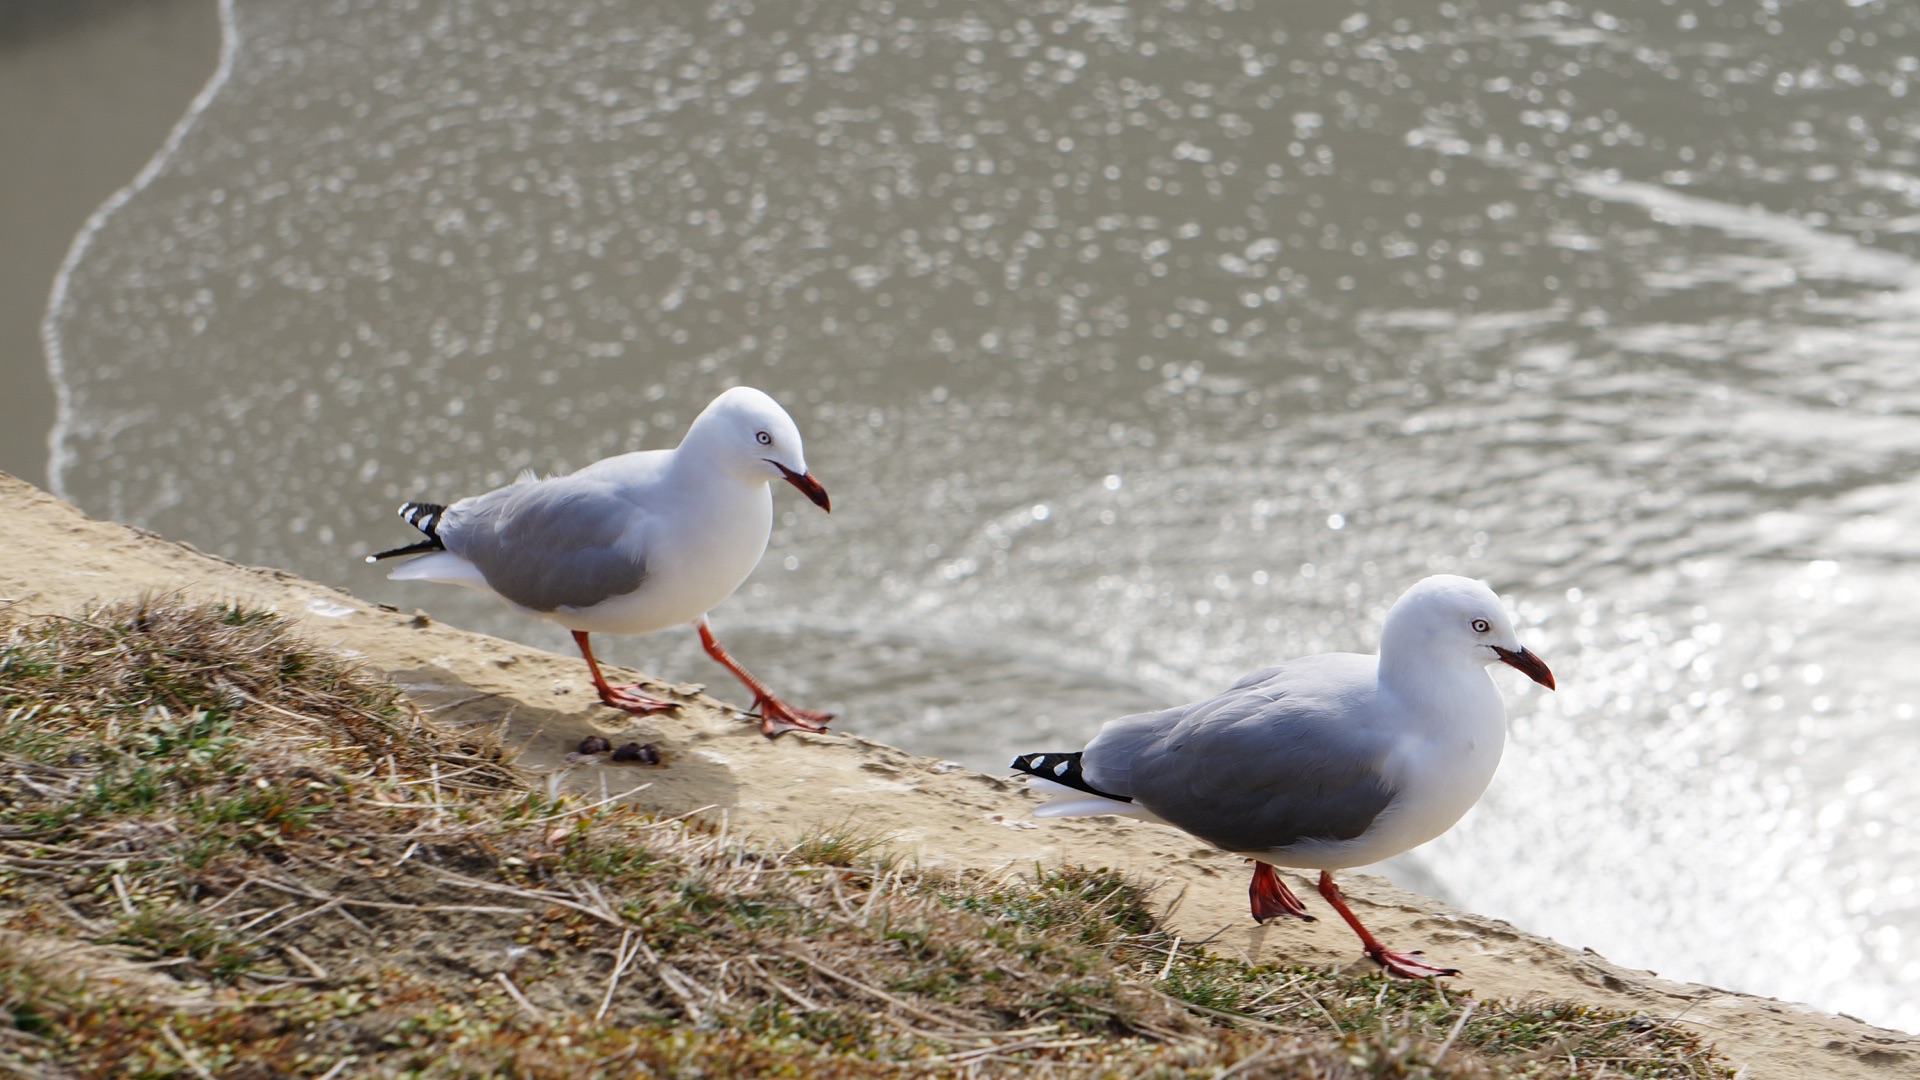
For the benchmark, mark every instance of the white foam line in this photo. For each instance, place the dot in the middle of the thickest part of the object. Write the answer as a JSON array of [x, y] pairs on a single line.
[[58, 456], [1816, 253], [1832, 256]]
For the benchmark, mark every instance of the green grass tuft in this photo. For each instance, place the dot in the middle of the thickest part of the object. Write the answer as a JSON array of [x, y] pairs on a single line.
[[844, 844]]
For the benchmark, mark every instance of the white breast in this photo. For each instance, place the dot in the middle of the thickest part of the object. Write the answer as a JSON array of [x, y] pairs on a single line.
[[1438, 769], [1442, 770], [697, 555]]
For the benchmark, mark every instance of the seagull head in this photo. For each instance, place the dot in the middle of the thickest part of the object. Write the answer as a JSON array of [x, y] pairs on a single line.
[[749, 431], [1447, 616]]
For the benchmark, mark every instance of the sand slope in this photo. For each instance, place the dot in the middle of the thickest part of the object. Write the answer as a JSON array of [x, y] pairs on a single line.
[[57, 560]]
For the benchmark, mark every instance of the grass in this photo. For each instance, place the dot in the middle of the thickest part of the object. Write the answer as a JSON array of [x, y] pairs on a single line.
[[226, 853]]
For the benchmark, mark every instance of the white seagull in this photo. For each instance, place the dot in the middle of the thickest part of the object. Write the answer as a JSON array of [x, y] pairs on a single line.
[[634, 543], [1325, 762]]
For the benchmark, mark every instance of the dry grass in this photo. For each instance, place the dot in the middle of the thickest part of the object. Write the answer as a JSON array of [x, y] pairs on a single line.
[[226, 853]]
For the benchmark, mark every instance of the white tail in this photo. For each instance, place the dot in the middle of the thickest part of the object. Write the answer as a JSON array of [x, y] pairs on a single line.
[[1064, 801], [440, 566]]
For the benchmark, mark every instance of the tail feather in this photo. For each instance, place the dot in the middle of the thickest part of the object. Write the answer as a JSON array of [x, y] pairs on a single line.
[[424, 516], [1062, 769], [1063, 801]]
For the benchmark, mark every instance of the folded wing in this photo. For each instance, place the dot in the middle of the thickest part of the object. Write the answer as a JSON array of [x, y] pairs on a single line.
[[1269, 764], [573, 541]]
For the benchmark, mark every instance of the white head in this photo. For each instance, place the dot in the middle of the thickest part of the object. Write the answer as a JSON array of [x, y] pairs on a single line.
[[748, 431], [1455, 620]]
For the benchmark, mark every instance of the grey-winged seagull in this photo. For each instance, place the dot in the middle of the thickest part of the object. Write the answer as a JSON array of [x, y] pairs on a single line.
[[633, 543], [1325, 762]]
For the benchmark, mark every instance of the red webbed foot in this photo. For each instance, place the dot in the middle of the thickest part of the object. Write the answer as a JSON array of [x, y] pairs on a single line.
[[1409, 965], [632, 699], [1271, 897], [1405, 965], [777, 718], [625, 698]]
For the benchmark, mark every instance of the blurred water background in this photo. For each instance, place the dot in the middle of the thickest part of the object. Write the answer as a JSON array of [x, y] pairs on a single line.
[[88, 90], [1139, 345]]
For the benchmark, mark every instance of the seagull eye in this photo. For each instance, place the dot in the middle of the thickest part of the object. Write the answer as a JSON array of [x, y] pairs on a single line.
[[1481, 626], [765, 439]]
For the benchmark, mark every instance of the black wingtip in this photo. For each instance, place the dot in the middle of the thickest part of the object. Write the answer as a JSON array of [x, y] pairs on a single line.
[[432, 543], [425, 517], [1062, 769], [1034, 763]]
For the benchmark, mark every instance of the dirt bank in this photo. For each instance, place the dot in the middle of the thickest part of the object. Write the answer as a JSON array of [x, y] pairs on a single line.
[[56, 560]]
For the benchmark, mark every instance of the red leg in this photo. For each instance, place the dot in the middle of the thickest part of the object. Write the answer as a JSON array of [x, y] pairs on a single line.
[[1271, 897], [628, 698], [776, 716], [1403, 964]]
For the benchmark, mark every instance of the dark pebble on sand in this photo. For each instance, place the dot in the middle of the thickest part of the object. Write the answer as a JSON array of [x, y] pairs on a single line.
[[645, 755], [594, 744]]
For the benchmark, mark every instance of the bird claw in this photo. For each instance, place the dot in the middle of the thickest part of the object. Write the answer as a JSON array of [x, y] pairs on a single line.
[[632, 699], [777, 718], [1407, 966]]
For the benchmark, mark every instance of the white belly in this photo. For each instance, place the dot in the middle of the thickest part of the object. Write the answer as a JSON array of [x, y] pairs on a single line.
[[1438, 774], [690, 569]]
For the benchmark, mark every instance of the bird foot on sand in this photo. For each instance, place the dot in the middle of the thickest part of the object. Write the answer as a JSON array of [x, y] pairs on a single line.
[[777, 718], [632, 699], [1271, 897], [1409, 966]]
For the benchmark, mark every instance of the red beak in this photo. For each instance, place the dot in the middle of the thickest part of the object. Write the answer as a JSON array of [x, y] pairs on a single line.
[[807, 484], [1527, 664]]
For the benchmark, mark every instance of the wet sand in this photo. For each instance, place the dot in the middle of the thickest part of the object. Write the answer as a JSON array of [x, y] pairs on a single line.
[[88, 91]]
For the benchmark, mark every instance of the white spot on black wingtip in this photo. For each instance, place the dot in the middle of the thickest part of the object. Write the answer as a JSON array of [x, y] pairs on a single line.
[[1065, 768]]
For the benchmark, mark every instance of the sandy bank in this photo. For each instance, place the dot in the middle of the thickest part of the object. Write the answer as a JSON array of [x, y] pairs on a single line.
[[56, 559]]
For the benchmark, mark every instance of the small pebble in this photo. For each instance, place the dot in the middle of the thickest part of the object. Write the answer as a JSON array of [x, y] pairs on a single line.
[[594, 744], [633, 751]]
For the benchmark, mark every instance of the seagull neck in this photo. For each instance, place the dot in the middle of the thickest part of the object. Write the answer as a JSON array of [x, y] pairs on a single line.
[[1416, 675], [699, 458], [1401, 645]]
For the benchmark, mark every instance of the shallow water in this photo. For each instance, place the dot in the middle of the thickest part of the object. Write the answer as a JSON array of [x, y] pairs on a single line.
[[88, 91], [1139, 346]]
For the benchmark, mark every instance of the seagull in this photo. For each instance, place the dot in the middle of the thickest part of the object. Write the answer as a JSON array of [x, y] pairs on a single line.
[[1322, 763], [634, 543]]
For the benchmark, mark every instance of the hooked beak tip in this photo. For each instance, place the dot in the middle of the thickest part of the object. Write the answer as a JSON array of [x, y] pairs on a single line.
[[1527, 664], [808, 486]]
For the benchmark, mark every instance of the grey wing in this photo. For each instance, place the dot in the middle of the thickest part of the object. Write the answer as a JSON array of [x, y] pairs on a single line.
[[567, 542], [1256, 678], [1108, 761], [1259, 768]]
